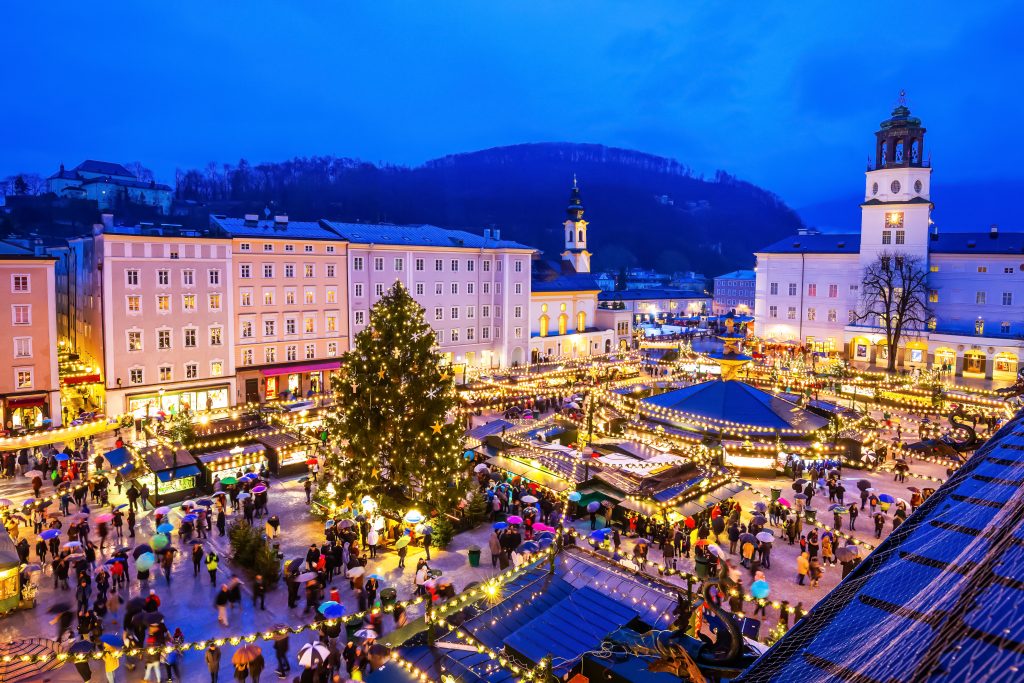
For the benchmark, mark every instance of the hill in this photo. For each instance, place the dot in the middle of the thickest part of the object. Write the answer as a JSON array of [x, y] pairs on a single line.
[[645, 210]]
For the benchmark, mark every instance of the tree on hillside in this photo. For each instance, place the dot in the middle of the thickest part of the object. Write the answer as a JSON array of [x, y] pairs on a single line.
[[394, 398], [894, 297]]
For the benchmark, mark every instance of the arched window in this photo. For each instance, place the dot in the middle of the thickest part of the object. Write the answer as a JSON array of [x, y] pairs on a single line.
[[544, 326], [915, 152], [899, 152], [580, 237], [563, 323], [885, 153], [568, 235], [581, 321]]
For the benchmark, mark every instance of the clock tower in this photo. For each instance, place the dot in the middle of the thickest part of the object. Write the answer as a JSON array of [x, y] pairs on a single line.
[[897, 205], [575, 227]]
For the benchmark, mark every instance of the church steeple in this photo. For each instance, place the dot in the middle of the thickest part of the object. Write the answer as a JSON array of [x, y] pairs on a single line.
[[900, 139], [576, 253]]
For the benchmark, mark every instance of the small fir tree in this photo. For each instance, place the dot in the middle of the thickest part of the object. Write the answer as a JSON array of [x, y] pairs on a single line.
[[394, 399]]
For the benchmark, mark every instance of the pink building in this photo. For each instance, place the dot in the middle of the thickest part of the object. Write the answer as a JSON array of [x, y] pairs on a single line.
[[29, 383], [474, 289], [290, 298]]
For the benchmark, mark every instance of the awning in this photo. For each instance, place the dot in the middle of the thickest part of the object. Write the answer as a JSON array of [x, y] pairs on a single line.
[[79, 379], [178, 473], [26, 402], [120, 460], [305, 367], [545, 479]]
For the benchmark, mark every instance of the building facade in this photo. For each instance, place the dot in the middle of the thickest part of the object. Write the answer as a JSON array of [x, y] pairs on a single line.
[[808, 287], [290, 298], [656, 305], [110, 185], [734, 292], [29, 383]]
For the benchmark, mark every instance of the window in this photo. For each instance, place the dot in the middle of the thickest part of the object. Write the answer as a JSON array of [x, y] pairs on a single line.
[[517, 332], [332, 323], [214, 276], [455, 288], [268, 270], [246, 356], [310, 351], [979, 326], [163, 277], [470, 334], [191, 371], [309, 295], [188, 278], [982, 269], [378, 263], [134, 341], [163, 303], [332, 349], [485, 311], [399, 264], [833, 291], [216, 336], [378, 289], [217, 368], [933, 268], [246, 329], [517, 312], [470, 265], [519, 286], [213, 301], [245, 271], [455, 335], [135, 376], [268, 296], [163, 339], [470, 312], [979, 298], [1004, 328], [23, 347], [455, 312], [773, 288], [269, 328], [487, 266], [19, 283], [852, 315], [811, 314], [332, 295], [933, 296], [887, 237], [485, 332], [487, 288], [289, 296], [270, 354], [289, 270], [419, 264], [357, 263], [438, 288], [357, 289], [268, 247], [455, 265], [291, 352], [360, 317], [308, 248], [1007, 298], [190, 338], [812, 289], [854, 288], [419, 289], [438, 313], [132, 278], [309, 325], [289, 247], [330, 269], [245, 246], [308, 270], [469, 286], [519, 266], [289, 326], [791, 313], [497, 311], [1008, 270], [901, 237], [134, 303], [792, 289], [438, 264], [188, 302], [497, 288], [832, 315]]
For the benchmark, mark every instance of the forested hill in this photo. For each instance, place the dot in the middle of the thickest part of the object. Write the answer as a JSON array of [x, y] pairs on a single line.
[[643, 209]]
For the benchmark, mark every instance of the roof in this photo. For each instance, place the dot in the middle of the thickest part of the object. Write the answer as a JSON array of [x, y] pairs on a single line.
[[1010, 243], [560, 276], [103, 168], [268, 229], [737, 275], [417, 235], [738, 402], [881, 202], [942, 598], [819, 243], [644, 294]]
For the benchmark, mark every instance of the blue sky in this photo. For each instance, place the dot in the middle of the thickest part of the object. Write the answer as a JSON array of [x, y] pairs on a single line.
[[786, 95]]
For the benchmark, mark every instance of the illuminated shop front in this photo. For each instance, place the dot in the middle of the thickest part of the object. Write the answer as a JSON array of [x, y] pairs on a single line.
[[25, 412], [231, 463], [203, 398], [175, 474], [304, 379], [286, 452]]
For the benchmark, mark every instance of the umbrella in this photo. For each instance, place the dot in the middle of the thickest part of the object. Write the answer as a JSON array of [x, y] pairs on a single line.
[[346, 523], [105, 517], [49, 533], [294, 566], [249, 476], [75, 557], [376, 577], [599, 534], [71, 544], [5, 502], [136, 604], [141, 550], [306, 576], [642, 541], [747, 537], [801, 481], [366, 633], [515, 519], [480, 468], [800, 496], [413, 517], [497, 476], [765, 536], [32, 474], [79, 517], [31, 568], [355, 571], [797, 486], [334, 611], [914, 489], [847, 553], [228, 481], [205, 502], [312, 655], [30, 501], [498, 526], [575, 496], [122, 506], [80, 647], [900, 501], [244, 495], [424, 529], [529, 499], [326, 604], [153, 618], [886, 498], [863, 484], [165, 528], [402, 542], [62, 457], [160, 541], [545, 541], [840, 509], [145, 561], [783, 502], [528, 547], [716, 550], [259, 488], [245, 654], [112, 640], [759, 589], [761, 506], [544, 534], [758, 519], [190, 518], [593, 506], [162, 510]]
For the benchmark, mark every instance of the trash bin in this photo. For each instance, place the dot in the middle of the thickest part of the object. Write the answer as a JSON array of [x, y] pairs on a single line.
[[474, 556], [701, 567], [776, 494], [388, 597], [810, 514]]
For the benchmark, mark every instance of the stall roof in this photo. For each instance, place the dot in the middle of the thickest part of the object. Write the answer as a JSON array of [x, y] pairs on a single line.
[[481, 432], [178, 473], [161, 457], [546, 479], [120, 459], [247, 449], [272, 438]]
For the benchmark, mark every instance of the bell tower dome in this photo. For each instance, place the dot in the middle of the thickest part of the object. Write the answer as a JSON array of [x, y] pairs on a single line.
[[575, 227]]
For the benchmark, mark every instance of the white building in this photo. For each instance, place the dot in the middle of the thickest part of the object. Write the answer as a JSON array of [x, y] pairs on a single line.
[[808, 286], [110, 185]]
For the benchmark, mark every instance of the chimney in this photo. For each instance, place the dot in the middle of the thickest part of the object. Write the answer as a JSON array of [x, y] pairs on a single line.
[[487, 233], [40, 250], [993, 231], [497, 234], [935, 232], [108, 220], [252, 218], [281, 219]]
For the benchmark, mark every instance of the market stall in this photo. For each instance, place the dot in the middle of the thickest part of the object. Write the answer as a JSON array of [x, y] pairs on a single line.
[[10, 577], [234, 462], [174, 474], [286, 453]]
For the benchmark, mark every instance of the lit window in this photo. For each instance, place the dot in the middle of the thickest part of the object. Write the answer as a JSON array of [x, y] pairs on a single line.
[[247, 357], [332, 349], [310, 351], [134, 303], [217, 367], [163, 303], [308, 270], [268, 297], [332, 295], [214, 302], [291, 352], [165, 373], [188, 302], [270, 354], [134, 341], [332, 323], [309, 324], [246, 329], [191, 371], [216, 336], [135, 376], [163, 339], [309, 296], [269, 328]]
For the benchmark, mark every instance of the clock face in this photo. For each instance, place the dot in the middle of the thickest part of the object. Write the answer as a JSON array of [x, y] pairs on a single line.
[[917, 186], [874, 189], [895, 187]]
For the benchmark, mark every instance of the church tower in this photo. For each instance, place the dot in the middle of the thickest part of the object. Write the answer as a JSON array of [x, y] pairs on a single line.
[[575, 227], [897, 204]]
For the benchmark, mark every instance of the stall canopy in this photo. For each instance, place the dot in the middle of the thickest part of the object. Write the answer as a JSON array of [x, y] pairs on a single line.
[[545, 478], [238, 451], [120, 460], [163, 458], [178, 473]]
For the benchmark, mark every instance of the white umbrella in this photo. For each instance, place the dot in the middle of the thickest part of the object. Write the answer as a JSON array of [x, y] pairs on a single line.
[[529, 499], [715, 550], [573, 404], [312, 655], [480, 468], [366, 633], [355, 571]]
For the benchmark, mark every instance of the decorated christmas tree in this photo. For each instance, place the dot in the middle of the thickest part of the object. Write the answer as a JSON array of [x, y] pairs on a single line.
[[390, 432]]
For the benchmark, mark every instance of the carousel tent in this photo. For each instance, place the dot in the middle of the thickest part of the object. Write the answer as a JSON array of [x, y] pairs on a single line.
[[737, 402], [942, 598]]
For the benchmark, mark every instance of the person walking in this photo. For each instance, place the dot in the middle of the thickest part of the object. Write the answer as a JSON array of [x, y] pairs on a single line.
[[213, 662], [853, 517], [197, 559], [281, 652], [211, 566], [802, 566], [221, 603], [428, 539], [372, 539], [256, 667], [259, 593]]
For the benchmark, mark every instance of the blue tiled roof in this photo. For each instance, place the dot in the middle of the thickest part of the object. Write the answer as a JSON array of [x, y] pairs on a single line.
[[239, 227], [977, 243], [821, 243], [417, 236], [645, 294], [942, 598], [560, 276], [737, 275]]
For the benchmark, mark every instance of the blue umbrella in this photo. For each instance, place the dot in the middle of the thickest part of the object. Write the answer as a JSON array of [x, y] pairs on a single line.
[[334, 611], [165, 528], [249, 477], [593, 506], [528, 547], [545, 542], [575, 496], [190, 518], [49, 533], [327, 605], [205, 502], [886, 498], [61, 457], [498, 526], [122, 506], [599, 535], [544, 534], [759, 589], [111, 640]]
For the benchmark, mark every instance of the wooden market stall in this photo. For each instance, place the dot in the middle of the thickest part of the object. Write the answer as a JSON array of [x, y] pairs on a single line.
[[233, 462], [287, 453]]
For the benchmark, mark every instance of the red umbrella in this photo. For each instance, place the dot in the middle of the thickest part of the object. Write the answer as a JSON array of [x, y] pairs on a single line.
[[312, 461], [689, 523]]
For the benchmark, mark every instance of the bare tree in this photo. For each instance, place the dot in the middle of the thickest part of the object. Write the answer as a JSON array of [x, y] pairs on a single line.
[[141, 172], [894, 297]]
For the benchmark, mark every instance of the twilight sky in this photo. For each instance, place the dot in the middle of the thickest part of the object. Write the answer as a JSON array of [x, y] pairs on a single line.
[[786, 95]]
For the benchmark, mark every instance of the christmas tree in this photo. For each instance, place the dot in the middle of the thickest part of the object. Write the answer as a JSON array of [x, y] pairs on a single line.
[[394, 399]]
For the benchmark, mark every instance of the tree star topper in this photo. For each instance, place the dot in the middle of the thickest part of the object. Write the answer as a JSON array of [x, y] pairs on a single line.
[[437, 427]]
